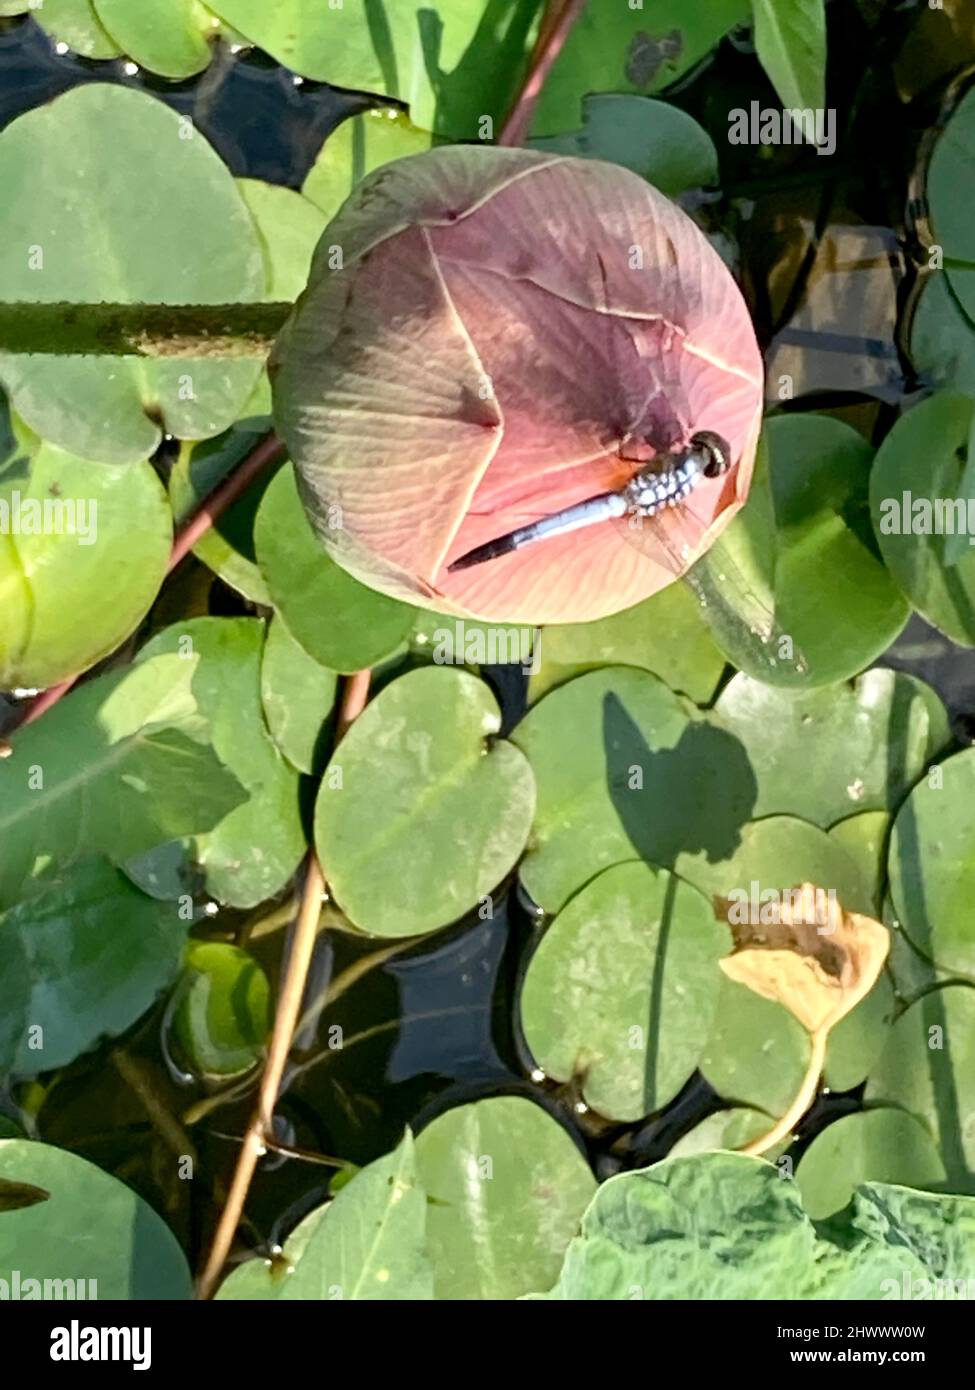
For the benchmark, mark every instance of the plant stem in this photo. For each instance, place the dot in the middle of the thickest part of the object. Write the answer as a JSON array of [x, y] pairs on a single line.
[[801, 1103], [354, 697], [141, 330], [557, 24]]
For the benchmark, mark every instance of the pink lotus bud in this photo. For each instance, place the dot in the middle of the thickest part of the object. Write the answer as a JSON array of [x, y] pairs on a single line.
[[488, 336]]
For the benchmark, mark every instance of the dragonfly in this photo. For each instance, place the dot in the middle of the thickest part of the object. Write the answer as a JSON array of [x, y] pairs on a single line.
[[637, 510]]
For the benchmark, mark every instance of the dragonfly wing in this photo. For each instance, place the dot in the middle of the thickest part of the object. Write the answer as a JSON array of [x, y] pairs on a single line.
[[739, 610]]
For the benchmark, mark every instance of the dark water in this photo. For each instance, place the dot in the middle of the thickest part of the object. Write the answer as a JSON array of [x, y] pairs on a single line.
[[436, 1023]]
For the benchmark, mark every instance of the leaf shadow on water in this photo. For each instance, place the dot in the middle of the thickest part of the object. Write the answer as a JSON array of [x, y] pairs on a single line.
[[693, 798]]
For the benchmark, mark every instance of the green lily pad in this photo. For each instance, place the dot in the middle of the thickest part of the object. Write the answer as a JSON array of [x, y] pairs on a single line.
[[83, 958], [660, 142], [949, 186], [624, 770], [665, 635], [943, 338], [620, 48], [872, 741], [928, 1068], [115, 768], [360, 144], [623, 989], [290, 226], [224, 1011], [790, 40], [74, 22], [884, 1145], [451, 62], [422, 810], [337, 620], [915, 481], [506, 1187], [102, 535], [255, 849], [93, 1231], [726, 1226], [193, 241], [806, 528], [227, 547], [367, 1244], [860, 1038], [297, 695], [864, 837], [931, 865], [728, 1129], [166, 36], [757, 1053]]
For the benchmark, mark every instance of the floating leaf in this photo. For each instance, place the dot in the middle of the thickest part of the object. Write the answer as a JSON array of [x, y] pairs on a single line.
[[943, 339], [166, 36], [790, 40], [660, 142], [74, 22], [84, 957], [359, 145], [367, 1244], [93, 1239], [297, 695], [928, 1068], [117, 767], [422, 810], [222, 1019], [255, 849], [624, 48], [506, 1187], [193, 241], [949, 191], [337, 620], [625, 770], [873, 739], [664, 634], [519, 371], [623, 987], [915, 481], [864, 837], [884, 1145], [727, 1129], [98, 533], [931, 865]]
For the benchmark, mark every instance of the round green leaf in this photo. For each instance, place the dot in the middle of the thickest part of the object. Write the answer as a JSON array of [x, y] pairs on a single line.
[[360, 144], [74, 22], [949, 190], [337, 620], [916, 478], [928, 1068], [98, 148], [884, 1145], [442, 56], [506, 1187], [858, 1039], [665, 635], [92, 1228], [660, 142], [728, 1129], [290, 226], [297, 695], [422, 810], [254, 850], [757, 1052], [621, 48], [166, 36], [227, 547], [367, 1244], [931, 865], [872, 740], [864, 837], [625, 770], [623, 988], [83, 958], [943, 338], [807, 526], [99, 534], [222, 1018]]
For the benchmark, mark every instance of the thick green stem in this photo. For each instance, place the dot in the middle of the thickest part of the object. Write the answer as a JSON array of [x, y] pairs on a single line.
[[141, 330]]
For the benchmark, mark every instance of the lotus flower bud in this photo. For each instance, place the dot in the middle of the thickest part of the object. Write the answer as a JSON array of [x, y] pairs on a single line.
[[488, 336]]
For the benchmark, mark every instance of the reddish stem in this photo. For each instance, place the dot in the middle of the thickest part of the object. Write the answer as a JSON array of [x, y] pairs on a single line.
[[556, 27]]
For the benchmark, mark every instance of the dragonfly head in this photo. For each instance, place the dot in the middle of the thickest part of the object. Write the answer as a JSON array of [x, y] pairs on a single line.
[[714, 450]]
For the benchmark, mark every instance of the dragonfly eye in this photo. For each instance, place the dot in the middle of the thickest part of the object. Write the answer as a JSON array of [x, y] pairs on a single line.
[[716, 450]]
